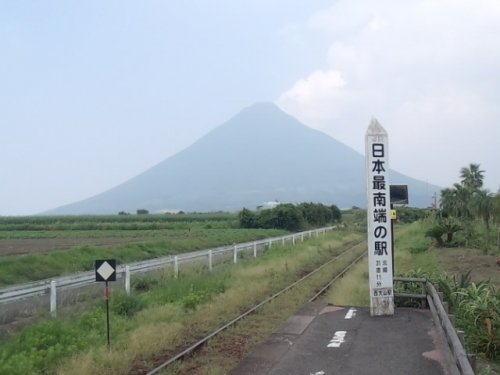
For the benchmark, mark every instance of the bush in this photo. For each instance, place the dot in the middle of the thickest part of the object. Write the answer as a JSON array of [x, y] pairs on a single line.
[[124, 305], [40, 348], [478, 314], [290, 217], [143, 284], [192, 300]]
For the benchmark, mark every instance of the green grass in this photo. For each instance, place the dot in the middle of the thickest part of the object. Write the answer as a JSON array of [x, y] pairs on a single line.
[[168, 313], [25, 268], [353, 289]]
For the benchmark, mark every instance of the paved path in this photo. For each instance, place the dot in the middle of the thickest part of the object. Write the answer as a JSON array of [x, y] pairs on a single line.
[[327, 340]]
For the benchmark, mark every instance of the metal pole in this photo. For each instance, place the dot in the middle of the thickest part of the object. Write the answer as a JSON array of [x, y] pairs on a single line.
[[106, 297], [255, 249], [235, 257], [210, 260]]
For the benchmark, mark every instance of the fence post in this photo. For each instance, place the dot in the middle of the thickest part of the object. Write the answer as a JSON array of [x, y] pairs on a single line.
[[293, 239], [210, 260], [235, 257], [270, 243], [53, 298], [255, 249], [127, 280], [283, 241], [461, 337], [302, 237], [176, 266]]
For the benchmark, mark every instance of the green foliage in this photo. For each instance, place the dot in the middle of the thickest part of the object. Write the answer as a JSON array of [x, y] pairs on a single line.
[[142, 211], [411, 214], [446, 227], [127, 306], [191, 289], [143, 284], [478, 313], [40, 348], [469, 203], [193, 299], [121, 222], [19, 269], [247, 219], [290, 217]]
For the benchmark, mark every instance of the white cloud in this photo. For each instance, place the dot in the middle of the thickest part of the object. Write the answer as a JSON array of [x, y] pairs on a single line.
[[428, 70]]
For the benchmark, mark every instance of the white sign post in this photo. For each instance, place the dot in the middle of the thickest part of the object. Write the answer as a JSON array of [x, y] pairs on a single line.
[[379, 221]]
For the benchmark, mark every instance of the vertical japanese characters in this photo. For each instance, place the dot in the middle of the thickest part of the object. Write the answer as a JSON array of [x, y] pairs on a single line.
[[379, 229]]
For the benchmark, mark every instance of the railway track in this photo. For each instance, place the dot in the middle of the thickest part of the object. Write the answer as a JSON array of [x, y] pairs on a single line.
[[318, 293]]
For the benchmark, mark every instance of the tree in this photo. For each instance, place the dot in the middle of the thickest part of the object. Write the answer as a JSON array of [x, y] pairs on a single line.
[[247, 219], [472, 177], [336, 213], [456, 201], [483, 205]]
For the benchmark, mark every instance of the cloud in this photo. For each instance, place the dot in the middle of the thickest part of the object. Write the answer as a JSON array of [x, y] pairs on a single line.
[[428, 70]]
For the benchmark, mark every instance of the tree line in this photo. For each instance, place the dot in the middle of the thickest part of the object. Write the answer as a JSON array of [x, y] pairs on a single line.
[[290, 217], [463, 206]]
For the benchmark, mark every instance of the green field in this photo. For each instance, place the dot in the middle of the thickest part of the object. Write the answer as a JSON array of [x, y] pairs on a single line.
[[28, 245]]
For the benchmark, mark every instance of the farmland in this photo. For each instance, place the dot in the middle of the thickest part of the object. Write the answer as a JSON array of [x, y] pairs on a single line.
[[34, 248]]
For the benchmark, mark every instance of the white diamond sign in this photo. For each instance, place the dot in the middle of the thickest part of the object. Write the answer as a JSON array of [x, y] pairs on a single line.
[[105, 270]]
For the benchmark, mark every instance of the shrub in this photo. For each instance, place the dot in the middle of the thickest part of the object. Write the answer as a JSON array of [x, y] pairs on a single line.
[[124, 305], [143, 284]]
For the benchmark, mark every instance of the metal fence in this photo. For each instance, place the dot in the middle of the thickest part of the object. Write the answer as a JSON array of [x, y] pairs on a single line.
[[210, 256], [461, 362]]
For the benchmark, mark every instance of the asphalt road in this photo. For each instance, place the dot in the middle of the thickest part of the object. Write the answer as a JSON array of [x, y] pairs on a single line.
[[326, 340]]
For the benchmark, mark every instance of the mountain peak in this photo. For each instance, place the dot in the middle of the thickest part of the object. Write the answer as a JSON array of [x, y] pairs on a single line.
[[260, 154]]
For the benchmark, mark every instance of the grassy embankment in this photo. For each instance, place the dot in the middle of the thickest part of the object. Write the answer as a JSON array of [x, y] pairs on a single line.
[[169, 314]]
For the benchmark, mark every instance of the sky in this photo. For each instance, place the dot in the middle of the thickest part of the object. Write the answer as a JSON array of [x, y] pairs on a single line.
[[94, 92]]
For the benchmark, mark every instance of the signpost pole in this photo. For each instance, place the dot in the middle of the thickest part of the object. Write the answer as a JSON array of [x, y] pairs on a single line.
[[105, 270], [106, 297], [378, 218]]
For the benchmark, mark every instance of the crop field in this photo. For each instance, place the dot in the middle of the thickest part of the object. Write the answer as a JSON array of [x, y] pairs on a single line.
[[34, 248]]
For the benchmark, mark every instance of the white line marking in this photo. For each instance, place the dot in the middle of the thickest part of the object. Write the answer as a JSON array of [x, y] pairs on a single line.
[[338, 339], [318, 373], [351, 313]]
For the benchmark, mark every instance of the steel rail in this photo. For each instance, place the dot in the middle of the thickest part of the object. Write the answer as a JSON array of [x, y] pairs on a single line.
[[341, 274], [202, 341]]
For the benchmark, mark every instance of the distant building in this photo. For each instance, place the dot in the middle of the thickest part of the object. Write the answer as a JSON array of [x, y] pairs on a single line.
[[268, 205]]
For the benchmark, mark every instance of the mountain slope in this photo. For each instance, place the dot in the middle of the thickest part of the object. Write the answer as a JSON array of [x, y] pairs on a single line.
[[261, 154]]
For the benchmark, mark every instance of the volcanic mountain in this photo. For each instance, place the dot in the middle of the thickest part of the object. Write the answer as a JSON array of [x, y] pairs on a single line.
[[261, 154]]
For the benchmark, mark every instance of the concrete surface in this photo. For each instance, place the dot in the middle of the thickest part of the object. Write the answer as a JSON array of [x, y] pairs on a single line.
[[326, 340]]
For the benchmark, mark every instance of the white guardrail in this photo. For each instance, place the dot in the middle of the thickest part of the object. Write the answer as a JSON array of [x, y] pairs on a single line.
[[38, 288]]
